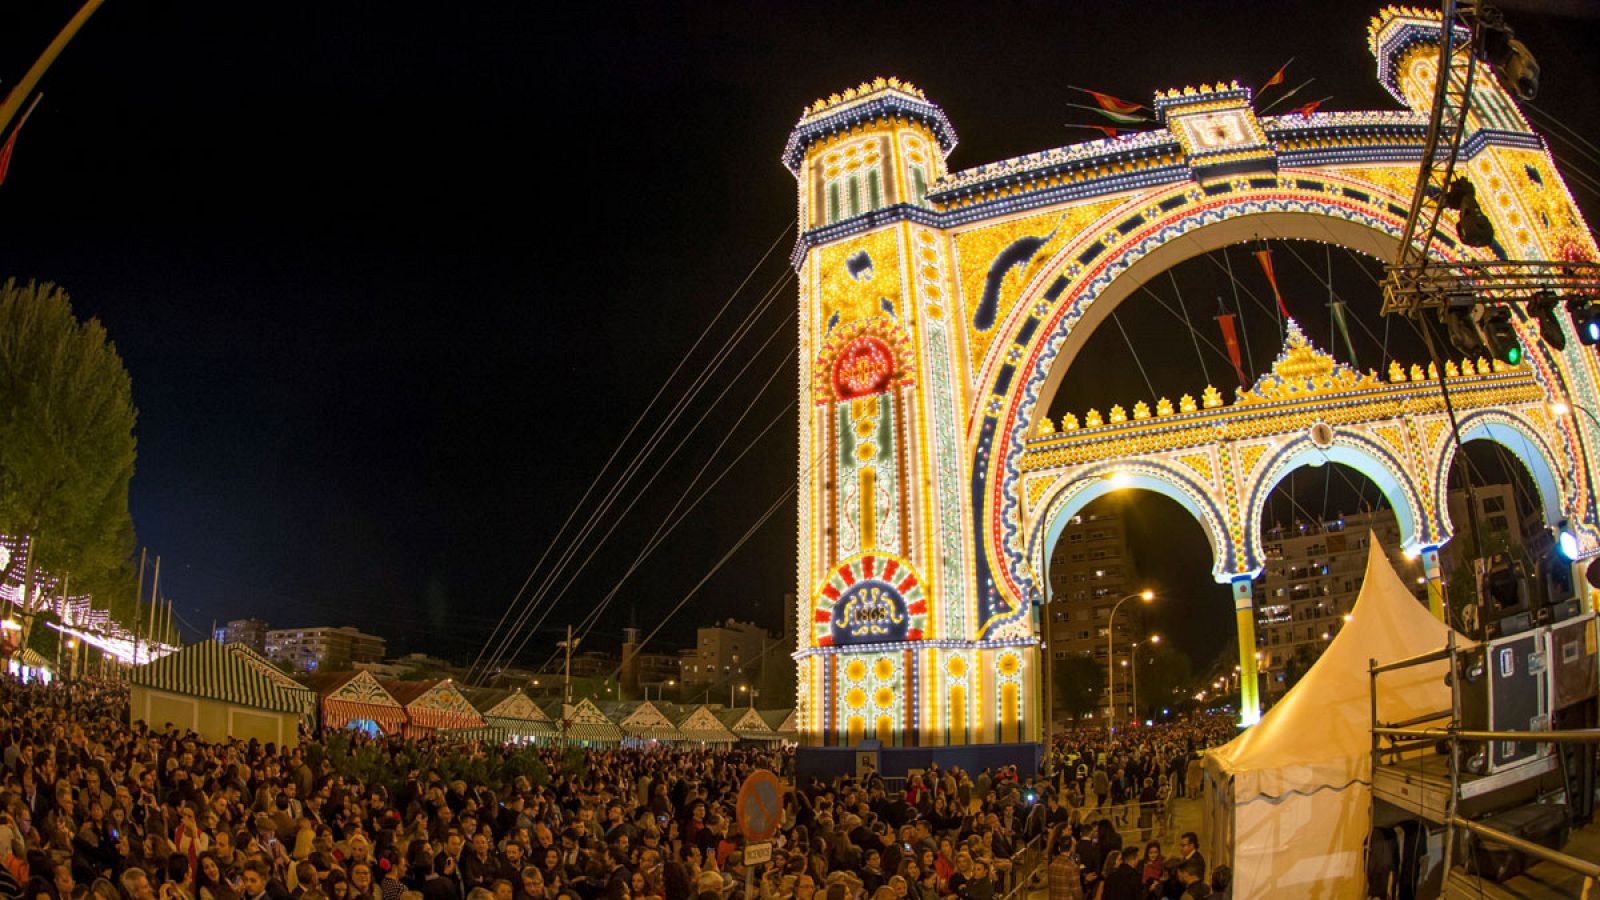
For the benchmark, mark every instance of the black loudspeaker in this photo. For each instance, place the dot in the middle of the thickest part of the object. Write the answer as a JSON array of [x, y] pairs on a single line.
[[1505, 687], [1507, 605]]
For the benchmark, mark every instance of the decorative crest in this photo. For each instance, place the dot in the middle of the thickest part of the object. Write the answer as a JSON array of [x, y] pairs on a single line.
[[1302, 370]]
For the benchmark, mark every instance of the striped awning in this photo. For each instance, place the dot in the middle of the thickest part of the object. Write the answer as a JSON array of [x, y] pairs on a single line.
[[424, 719], [593, 732], [33, 659], [337, 713], [534, 728], [487, 733], [209, 671], [271, 670]]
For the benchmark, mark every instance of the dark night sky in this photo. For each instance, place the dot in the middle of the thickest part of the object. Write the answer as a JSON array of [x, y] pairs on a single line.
[[392, 279]]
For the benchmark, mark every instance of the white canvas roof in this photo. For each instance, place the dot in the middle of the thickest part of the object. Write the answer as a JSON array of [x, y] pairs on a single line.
[[1297, 786]]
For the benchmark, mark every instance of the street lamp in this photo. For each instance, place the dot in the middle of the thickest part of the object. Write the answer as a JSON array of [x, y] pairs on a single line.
[[742, 689], [1111, 655], [1133, 654]]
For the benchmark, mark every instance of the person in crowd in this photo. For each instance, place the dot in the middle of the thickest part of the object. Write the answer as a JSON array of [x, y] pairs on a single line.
[[91, 807]]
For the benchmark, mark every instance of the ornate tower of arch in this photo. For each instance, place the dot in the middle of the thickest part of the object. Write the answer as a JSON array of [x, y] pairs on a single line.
[[890, 645]]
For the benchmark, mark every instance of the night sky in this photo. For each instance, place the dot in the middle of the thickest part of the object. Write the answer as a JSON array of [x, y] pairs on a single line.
[[393, 280]]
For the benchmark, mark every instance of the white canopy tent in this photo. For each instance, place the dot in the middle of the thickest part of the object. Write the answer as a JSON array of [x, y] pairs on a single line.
[[1288, 802]]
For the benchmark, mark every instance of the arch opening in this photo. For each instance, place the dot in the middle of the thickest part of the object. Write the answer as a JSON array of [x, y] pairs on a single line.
[[1107, 551]]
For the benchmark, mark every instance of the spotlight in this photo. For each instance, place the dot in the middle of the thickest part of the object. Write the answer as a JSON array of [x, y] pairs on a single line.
[[1542, 309], [1472, 226], [1585, 320], [1458, 324], [1494, 324]]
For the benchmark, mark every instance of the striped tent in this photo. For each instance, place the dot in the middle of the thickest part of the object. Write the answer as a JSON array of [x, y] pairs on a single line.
[[748, 725], [209, 671], [357, 696], [267, 667], [700, 724], [512, 711], [642, 721], [432, 706], [218, 694], [582, 723]]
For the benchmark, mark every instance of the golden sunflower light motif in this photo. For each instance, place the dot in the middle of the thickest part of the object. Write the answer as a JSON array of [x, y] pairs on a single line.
[[957, 666], [1009, 664], [884, 669], [884, 698], [856, 670], [856, 698]]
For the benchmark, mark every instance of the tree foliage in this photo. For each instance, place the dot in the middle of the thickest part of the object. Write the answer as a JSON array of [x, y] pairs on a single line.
[[1163, 673], [1079, 682], [66, 442]]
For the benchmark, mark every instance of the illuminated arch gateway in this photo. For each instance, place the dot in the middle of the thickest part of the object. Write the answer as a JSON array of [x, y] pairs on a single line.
[[939, 312]]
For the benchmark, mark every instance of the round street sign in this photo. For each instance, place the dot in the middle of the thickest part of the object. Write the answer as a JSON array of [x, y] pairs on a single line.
[[760, 807]]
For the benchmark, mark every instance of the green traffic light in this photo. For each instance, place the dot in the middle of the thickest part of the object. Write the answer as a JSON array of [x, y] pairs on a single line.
[[1514, 354]]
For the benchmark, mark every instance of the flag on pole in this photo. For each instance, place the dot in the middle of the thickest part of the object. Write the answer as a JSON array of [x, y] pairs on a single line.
[[1336, 312], [1264, 256], [1117, 117], [1278, 78], [1307, 109], [10, 145], [1121, 111], [1230, 337], [1106, 130], [5, 155], [1113, 104]]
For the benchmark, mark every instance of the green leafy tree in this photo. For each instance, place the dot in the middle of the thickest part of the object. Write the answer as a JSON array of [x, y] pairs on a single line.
[[66, 443], [1163, 671], [1079, 682], [1296, 666]]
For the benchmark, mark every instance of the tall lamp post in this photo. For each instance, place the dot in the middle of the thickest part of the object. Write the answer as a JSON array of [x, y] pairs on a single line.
[[1133, 662], [1111, 664]]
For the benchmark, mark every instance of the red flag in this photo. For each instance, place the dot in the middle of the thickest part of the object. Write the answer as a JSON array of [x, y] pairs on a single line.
[[11, 142], [1278, 78], [1112, 104], [5, 154], [1265, 258], [1231, 338], [1307, 109], [1106, 130]]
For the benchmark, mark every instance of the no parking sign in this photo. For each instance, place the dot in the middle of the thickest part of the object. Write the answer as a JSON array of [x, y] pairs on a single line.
[[760, 806]]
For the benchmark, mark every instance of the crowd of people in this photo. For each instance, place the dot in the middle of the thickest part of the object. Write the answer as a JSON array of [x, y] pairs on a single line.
[[91, 806]]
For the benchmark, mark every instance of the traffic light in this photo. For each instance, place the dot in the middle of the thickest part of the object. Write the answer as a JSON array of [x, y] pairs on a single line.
[[1585, 320], [1472, 226], [1494, 325], [1542, 309]]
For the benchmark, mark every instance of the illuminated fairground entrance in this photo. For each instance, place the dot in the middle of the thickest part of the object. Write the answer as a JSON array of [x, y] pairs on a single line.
[[939, 312]]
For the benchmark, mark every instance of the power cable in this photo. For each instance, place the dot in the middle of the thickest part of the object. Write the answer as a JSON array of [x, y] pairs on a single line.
[[572, 513], [1244, 330], [639, 494], [668, 522], [1556, 121], [640, 457], [749, 532], [1194, 334], [1133, 350]]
